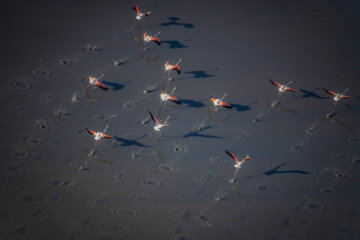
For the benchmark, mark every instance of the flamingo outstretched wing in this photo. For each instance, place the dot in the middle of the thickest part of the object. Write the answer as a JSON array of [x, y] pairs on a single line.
[[153, 117], [174, 99], [101, 85], [90, 131], [275, 83], [156, 40], [232, 155], [107, 136], [329, 92], [290, 89], [136, 8], [225, 104]]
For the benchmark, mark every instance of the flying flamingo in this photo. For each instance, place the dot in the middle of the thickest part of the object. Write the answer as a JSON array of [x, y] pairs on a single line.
[[139, 14], [337, 96], [148, 38], [158, 125], [96, 82], [176, 67], [164, 97], [238, 163], [98, 136], [220, 102]]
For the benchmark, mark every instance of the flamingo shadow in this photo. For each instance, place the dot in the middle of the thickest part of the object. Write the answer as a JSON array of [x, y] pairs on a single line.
[[308, 94], [127, 142], [174, 21], [276, 171], [192, 103], [115, 86], [174, 44]]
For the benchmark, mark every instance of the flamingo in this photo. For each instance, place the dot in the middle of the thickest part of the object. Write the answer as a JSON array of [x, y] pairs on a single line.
[[164, 97], [96, 82], [238, 163], [139, 14], [220, 102], [148, 38], [282, 88], [175, 67], [99, 135], [337, 96], [158, 125]]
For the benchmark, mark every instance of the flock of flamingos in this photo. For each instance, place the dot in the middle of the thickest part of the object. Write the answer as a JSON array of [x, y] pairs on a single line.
[[218, 102]]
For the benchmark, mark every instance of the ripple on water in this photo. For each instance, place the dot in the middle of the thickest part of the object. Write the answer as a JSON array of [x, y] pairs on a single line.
[[314, 205], [63, 61], [20, 232], [78, 132], [20, 109], [141, 198], [340, 156], [13, 168], [327, 191], [120, 177], [4, 95], [295, 148], [218, 161], [84, 224], [205, 178], [167, 167], [178, 147], [302, 221], [48, 97], [37, 211], [105, 238], [57, 142], [355, 140], [181, 236], [3, 181], [38, 158], [354, 200], [19, 84], [81, 166], [24, 200], [129, 213], [18, 154], [5, 221], [333, 172], [66, 184], [202, 220], [150, 182], [54, 197], [117, 227], [262, 188], [179, 215], [32, 141], [97, 203], [290, 235], [42, 72], [355, 160]]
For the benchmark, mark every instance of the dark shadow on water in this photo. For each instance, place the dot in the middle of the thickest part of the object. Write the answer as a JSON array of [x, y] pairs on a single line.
[[174, 21], [192, 103], [115, 86], [195, 133], [240, 108], [174, 44], [311, 93], [127, 142], [331, 118], [275, 171], [201, 74]]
